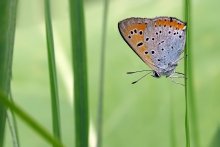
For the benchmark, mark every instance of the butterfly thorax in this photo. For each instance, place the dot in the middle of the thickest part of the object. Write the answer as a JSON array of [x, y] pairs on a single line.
[[169, 70], [157, 74]]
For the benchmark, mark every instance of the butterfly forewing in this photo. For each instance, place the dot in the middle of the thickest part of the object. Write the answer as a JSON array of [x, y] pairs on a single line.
[[132, 30]]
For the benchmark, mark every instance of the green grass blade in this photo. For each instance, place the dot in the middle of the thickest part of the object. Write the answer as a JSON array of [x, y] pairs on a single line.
[[52, 72], [216, 141], [27, 119], [7, 31], [191, 117], [187, 71], [12, 123], [80, 72], [102, 74]]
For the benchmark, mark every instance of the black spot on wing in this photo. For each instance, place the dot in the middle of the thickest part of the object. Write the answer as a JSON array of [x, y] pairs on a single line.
[[139, 44]]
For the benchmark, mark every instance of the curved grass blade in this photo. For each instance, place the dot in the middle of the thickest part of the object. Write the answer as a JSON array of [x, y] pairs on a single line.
[[7, 31], [80, 72], [52, 72], [27, 119]]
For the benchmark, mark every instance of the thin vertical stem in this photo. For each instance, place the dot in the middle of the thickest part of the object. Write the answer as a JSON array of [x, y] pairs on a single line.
[[186, 70], [52, 72], [102, 74], [191, 117]]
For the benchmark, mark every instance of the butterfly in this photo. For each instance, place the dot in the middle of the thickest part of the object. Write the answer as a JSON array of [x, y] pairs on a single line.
[[158, 41]]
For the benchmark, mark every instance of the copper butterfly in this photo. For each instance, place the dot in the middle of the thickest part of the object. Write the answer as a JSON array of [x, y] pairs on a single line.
[[159, 41]]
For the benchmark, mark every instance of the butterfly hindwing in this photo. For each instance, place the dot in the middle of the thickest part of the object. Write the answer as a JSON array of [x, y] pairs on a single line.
[[166, 39]]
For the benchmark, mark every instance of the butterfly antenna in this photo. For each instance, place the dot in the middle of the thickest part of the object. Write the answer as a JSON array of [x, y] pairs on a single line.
[[132, 72], [141, 78]]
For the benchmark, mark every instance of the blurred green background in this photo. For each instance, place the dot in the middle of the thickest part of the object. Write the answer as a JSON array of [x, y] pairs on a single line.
[[144, 114]]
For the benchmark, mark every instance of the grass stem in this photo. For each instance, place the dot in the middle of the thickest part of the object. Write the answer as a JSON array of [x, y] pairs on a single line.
[[79, 63], [191, 125], [102, 74], [52, 72]]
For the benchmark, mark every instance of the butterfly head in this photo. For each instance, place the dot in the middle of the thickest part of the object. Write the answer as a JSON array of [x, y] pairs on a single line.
[[156, 74]]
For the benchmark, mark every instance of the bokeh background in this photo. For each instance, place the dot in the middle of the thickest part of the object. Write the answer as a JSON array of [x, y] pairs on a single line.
[[148, 114]]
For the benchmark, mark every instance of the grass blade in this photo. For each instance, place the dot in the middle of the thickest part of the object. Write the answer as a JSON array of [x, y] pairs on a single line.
[[191, 117], [7, 31], [187, 71], [102, 74], [27, 119], [216, 141], [12, 123], [80, 72], [52, 72]]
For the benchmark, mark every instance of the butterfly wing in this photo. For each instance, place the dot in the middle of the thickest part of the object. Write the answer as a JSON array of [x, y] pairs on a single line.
[[132, 30]]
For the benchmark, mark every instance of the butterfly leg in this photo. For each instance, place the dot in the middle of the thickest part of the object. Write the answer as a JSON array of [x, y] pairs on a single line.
[[177, 75], [172, 80], [182, 75]]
